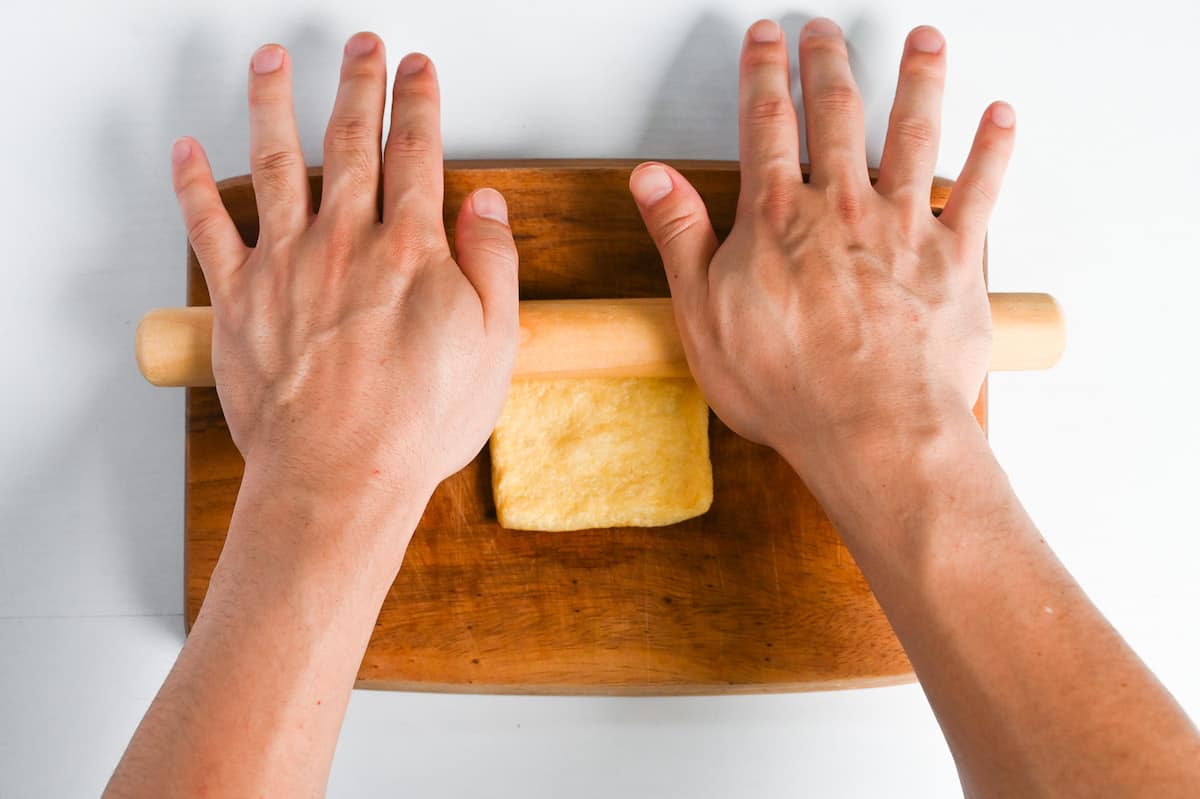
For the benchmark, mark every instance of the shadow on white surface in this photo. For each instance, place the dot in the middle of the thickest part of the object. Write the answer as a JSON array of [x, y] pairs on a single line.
[[123, 444], [693, 113], [694, 110]]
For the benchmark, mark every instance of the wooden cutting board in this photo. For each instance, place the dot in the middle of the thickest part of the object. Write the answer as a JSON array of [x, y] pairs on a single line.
[[758, 594]]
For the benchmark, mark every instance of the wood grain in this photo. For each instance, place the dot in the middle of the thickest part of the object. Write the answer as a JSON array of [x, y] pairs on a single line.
[[758, 594]]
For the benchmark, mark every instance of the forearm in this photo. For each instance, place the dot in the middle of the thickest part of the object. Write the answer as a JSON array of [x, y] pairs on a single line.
[[1037, 694], [256, 699]]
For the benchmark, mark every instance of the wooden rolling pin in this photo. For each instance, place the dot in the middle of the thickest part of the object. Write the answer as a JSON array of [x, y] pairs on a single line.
[[593, 338]]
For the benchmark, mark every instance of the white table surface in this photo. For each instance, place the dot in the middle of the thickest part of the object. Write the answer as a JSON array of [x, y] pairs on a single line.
[[1100, 208]]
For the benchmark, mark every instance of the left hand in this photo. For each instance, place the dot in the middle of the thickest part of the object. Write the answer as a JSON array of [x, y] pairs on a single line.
[[351, 350]]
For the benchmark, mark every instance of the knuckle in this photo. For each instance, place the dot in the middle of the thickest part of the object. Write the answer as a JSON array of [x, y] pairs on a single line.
[[926, 68], [845, 202], [418, 88], [776, 204], [769, 56], [497, 249], [350, 140], [411, 142], [202, 228], [363, 73], [915, 131], [834, 45], [825, 57], [675, 225], [267, 97], [838, 99], [191, 183], [347, 131], [274, 162], [769, 111], [339, 243], [993, 149], [277, 184], [976, 190]]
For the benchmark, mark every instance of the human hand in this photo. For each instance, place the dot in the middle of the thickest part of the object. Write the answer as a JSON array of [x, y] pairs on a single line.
[[834, 309], [349, 350]]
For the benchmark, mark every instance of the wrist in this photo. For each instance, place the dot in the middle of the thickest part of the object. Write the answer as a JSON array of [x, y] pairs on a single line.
[[304, 515], [879, 440], [885, 482]]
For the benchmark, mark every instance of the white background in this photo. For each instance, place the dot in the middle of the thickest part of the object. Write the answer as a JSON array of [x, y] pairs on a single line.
[[1100, 208]]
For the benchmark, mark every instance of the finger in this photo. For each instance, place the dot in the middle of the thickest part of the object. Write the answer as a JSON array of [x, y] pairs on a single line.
[[412, 159], [276, 160], [910, 149], [678, 222], [768, 135], [487, 254], [210, 230], [974, 193], [833, 113], [352, 158]]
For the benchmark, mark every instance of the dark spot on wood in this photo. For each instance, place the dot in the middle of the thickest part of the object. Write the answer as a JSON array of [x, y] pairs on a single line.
[[475, 661], [667, 599]]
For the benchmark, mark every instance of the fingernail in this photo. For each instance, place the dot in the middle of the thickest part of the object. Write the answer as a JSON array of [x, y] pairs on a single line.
[[360, 44], [765, 31], [650, 184], [489, 204], [412, 63], [267, 59], [926, 40], [1003, 115], [820, 26], [180, 151]]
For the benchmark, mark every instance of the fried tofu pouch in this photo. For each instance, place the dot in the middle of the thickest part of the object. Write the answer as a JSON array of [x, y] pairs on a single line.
[[581, 453]]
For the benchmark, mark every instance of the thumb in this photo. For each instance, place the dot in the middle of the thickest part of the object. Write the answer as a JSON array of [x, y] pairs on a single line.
[[678, 222], [487, 254]]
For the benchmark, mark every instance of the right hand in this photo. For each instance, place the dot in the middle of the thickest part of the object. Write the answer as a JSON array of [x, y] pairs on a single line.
[[834, 309]]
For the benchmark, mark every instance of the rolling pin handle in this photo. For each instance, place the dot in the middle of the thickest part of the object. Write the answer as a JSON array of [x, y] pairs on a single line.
[[1028, 331], [173, 346]]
